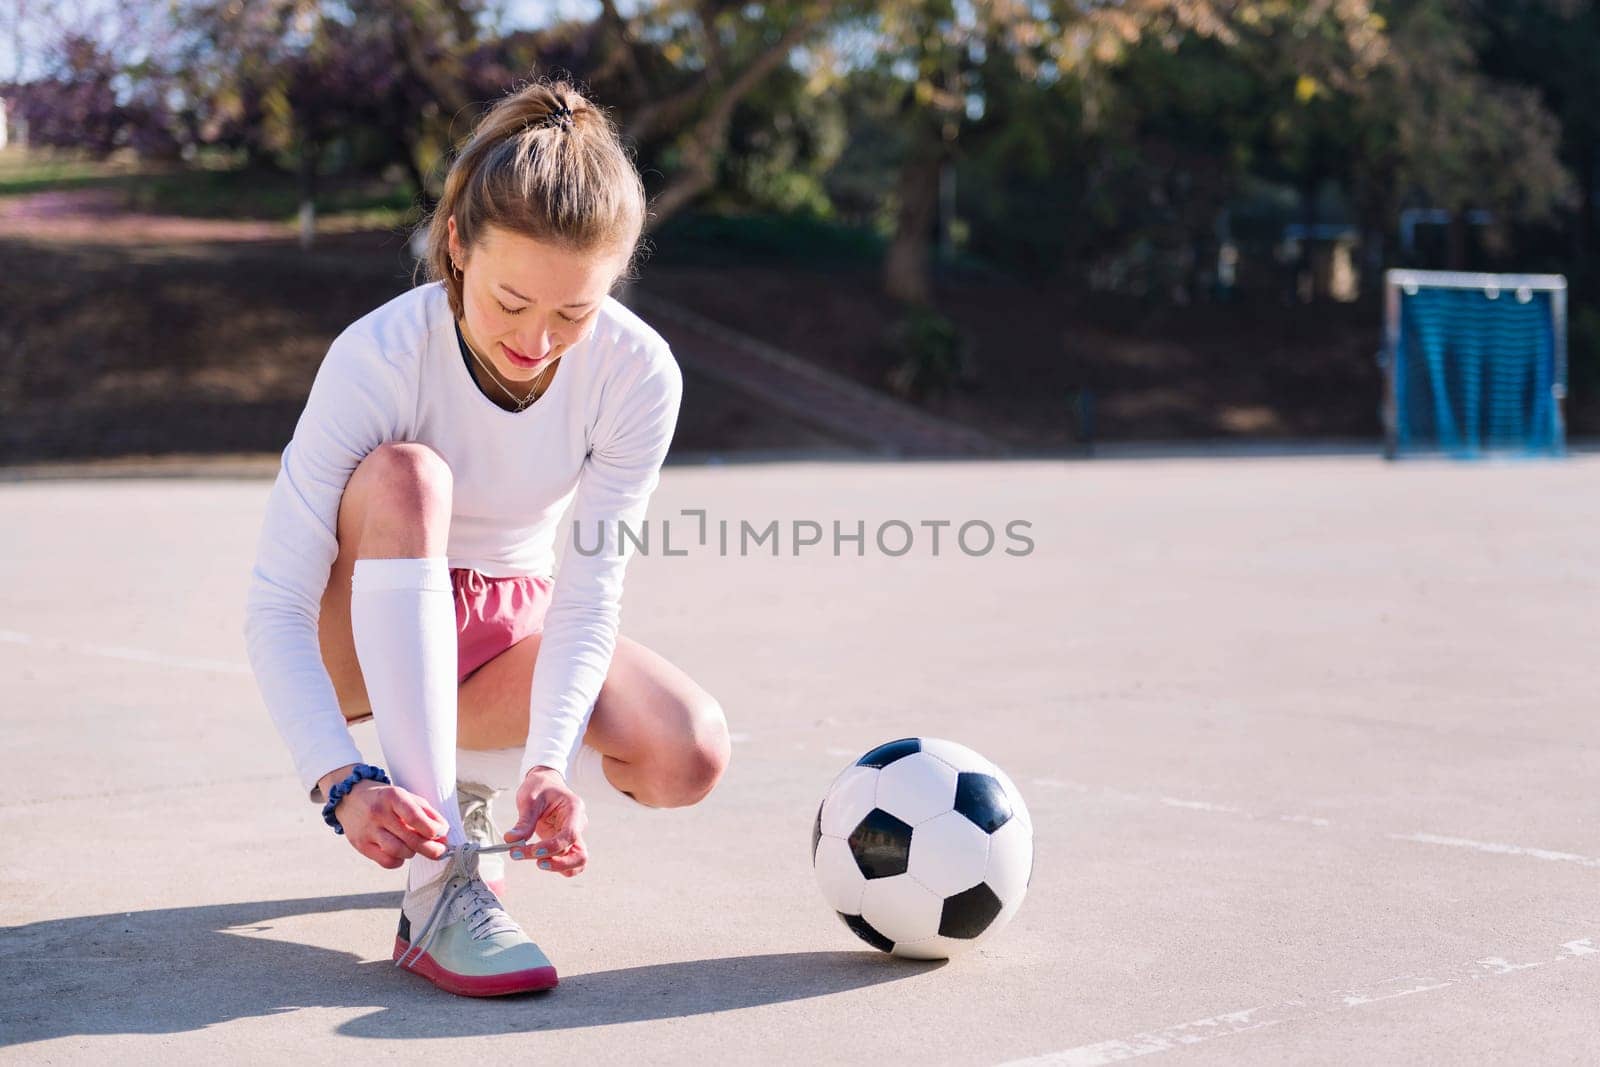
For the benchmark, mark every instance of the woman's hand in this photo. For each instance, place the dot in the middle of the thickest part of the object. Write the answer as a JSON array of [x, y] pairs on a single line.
[[387, 824], [545, 806]]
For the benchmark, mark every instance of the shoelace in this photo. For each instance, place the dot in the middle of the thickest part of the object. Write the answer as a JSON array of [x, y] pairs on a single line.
[[484, 914]]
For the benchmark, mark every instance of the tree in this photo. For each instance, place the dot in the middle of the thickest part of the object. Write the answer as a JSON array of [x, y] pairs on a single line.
[[96, 83], [74, 105], [1461, 139], [949, 56], [679, 70], [1550, 46]]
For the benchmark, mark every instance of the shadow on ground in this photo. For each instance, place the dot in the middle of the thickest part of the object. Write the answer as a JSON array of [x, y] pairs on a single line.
[[181, 969]]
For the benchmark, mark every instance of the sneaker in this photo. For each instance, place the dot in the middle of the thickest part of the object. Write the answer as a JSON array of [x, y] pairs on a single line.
[[455, 933], [477, 819]]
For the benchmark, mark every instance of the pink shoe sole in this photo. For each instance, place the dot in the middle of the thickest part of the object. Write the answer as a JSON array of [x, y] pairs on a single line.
[[464, 985]]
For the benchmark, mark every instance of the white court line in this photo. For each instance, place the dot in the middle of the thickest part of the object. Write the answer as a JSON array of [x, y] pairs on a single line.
[[1499, 849], [133, 655], [1202, 805], [1309, 820], [1056, 783], [1169, 1038], [1444, 840], [1181, 802]]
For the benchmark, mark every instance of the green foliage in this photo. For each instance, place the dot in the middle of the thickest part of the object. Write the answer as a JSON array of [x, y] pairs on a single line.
[[31, 172], [783, 140], [1583, 351], [1466, 140], [702, 237], [226, 190], [1021, 188], [254, 194], [930, 354], [860, 185]]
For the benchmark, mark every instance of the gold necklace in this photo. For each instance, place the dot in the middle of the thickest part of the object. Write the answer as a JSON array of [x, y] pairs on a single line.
[[522, 403]]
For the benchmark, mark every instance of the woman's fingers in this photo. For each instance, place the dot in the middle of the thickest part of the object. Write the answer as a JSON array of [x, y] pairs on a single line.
[[548, 809], [560, 819], [558, 844], [419, 815], [385, 849], [413, 841], [527, 820], [568, 863]]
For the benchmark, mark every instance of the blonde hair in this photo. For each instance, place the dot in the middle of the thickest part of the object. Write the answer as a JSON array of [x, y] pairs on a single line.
[[544, 163]]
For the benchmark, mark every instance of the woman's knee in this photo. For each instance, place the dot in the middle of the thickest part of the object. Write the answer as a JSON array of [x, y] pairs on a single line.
[[404, 491], [705, 759], [407, 476]]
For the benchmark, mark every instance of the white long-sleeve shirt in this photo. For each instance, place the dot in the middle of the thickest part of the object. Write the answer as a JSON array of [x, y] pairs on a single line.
[[599, 434]]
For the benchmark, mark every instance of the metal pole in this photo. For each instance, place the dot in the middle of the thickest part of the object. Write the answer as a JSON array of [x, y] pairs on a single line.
[[1558, 387], [1388, 358]]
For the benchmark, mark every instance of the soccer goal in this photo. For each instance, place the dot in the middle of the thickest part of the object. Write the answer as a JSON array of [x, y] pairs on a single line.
[[1475, 365]]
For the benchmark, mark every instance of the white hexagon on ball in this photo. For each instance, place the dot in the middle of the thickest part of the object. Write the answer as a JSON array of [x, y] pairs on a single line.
[[949, 854], [916, 788], [901, 909]]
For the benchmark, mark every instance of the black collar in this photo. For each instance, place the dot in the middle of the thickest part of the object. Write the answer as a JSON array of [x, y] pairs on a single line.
[[466, 357]]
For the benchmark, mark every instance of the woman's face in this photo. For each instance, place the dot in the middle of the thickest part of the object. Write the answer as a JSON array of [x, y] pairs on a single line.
[[526, 303]]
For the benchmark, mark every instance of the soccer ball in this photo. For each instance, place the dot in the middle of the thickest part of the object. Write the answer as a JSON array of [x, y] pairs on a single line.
[[923, 848]]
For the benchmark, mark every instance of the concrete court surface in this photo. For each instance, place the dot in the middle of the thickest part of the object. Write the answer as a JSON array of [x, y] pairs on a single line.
[[1311, 745]]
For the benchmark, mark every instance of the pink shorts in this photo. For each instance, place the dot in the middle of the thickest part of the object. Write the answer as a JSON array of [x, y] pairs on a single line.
[[492, 614]]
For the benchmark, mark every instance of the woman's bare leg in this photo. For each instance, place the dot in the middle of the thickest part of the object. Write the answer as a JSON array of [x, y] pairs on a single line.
[[395, 520], [396, 506], [665, 739]]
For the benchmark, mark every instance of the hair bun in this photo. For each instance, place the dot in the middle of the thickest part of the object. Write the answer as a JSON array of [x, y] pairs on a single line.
[[560, 115], [578, 189]]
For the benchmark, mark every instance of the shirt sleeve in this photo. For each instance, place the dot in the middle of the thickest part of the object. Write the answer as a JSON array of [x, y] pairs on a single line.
[[353, 407], [620, 472]]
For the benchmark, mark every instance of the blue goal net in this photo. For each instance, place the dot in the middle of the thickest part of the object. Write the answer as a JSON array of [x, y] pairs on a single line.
[[1476, 364]]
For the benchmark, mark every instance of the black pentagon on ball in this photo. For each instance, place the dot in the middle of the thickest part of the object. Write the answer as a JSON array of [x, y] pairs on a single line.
[[816, 833], [969, 913], [982, 799], [884, 755], [881, 845], [865, 932]]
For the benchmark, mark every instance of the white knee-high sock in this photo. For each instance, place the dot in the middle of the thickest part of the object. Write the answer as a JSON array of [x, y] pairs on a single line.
[[498, 769], [495, 767], [586, 775], [586, 772], [402, 615]]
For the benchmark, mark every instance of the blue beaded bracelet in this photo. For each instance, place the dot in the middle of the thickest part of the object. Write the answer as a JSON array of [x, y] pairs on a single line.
[[364, 772]]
